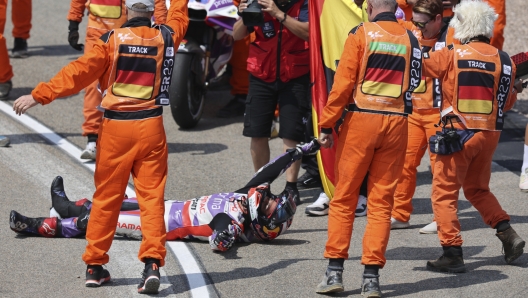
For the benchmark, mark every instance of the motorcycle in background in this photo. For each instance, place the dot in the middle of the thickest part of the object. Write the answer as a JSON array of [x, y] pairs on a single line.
[[204, 51]]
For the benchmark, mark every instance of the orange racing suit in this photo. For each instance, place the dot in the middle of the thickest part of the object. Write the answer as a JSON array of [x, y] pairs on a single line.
[[426, 114], [477, 82], [6, 71], [133, 65], [380, 65]]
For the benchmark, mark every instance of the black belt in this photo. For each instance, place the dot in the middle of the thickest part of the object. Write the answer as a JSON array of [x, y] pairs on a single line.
[[354, 108], [136, 115]]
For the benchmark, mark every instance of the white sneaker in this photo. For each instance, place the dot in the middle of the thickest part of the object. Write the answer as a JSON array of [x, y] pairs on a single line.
[[429, 229], [89, 152], [54, 213], [361, 208], [4, 141], [523, 183], [396, 224], [320, 206]]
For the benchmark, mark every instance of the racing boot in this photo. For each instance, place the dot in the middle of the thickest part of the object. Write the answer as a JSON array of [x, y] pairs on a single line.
[[332, 281], [96, 275], [42, 226], [370, 287], [62, 205], [451, 261], [512, 244], [150, 281]]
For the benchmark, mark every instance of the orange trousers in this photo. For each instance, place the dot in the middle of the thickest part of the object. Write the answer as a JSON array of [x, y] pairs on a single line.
[[470, 169], [421, 127], [123, 147], [379, 149], [92, 96], [21, 17], [498, 30], [6, 71]]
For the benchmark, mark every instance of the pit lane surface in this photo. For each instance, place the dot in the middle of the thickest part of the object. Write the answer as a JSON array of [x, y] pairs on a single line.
[[215, 157]]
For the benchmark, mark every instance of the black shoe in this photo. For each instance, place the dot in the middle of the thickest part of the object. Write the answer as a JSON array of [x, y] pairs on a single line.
[[332, 282], [96, 275], [453, 264], [20, 49], [234, 108], [57, 192], [512, 244], [370, 287], [5, 88], [307, 180], [150, 281], [24, 225]]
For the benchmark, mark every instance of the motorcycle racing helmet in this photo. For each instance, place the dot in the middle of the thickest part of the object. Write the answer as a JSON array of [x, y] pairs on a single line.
[[270, 214]]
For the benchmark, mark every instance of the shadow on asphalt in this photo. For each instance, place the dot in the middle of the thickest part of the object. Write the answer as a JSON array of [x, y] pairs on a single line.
[[444, 281], [196, 148], [53, 50]]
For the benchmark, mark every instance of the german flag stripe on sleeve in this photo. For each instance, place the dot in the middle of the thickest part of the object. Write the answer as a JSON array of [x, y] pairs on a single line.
[[135, 77], [384, 75], [475, 92]]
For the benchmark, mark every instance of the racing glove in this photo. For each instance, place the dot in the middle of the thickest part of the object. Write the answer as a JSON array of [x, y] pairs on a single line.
[[73, 36], [223, 240]]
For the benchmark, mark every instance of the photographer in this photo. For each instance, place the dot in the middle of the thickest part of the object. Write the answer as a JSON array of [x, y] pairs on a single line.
[[478, 88], [278, 63]]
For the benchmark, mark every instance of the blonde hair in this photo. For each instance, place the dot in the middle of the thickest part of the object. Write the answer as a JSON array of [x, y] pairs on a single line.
[[473, 18]]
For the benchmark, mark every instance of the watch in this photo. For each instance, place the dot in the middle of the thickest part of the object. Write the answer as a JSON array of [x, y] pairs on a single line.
[[284, 19]]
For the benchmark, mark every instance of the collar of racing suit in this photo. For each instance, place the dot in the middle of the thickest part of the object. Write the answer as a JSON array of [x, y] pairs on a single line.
[[137, 22], [385, 16]]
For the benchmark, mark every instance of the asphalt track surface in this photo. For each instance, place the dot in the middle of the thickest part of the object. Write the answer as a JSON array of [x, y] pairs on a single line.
[[215, 157]]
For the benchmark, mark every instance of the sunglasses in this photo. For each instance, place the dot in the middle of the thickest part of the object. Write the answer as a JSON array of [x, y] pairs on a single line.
[[420, 25]]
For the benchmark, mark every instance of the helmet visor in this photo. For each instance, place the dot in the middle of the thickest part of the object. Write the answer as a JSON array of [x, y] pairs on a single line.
[[285, 209]]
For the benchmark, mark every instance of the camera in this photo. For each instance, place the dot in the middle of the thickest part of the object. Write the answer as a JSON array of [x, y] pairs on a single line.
[[252, 15]]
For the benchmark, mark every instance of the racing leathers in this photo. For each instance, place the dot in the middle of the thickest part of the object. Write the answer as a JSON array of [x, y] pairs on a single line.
[[221, 218]]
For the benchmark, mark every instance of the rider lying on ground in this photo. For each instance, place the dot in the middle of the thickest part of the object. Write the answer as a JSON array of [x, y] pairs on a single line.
[[248, 214]]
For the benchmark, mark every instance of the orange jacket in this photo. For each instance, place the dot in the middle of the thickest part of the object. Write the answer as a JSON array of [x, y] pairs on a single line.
[[470, 75], [351, 65], [96, 64]]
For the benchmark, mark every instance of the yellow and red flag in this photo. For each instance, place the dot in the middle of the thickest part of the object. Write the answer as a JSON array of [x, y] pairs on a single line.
[[330, 22], [110, 9]]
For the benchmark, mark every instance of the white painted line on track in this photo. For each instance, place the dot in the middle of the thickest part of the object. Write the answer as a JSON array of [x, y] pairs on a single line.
[[197, 285], [190, 267]]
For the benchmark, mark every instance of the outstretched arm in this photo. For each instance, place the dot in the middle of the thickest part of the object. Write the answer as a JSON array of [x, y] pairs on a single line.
[[273, 169]]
